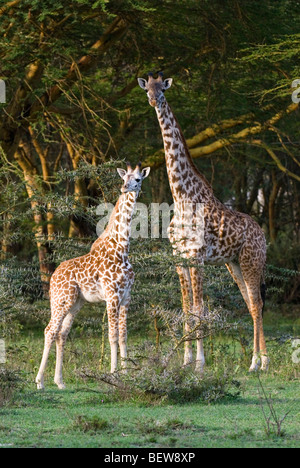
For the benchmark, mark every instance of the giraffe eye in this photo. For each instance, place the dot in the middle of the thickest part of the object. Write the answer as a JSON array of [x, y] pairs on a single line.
[[138, 180]]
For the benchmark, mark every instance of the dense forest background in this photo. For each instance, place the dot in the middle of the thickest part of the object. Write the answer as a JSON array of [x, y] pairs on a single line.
[[74, 112]]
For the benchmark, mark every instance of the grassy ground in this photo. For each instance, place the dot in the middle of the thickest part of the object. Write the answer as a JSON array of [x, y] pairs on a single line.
[[90, 414], [81, 417]]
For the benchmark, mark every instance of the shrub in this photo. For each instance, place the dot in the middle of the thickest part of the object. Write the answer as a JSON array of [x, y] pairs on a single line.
[[10, 381], [153, 382], [90, 424]]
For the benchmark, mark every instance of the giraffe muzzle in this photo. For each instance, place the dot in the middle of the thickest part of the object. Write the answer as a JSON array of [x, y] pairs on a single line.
[[129, 189], [153, 102]]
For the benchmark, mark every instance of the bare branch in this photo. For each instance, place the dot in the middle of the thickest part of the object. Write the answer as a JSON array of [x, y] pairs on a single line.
[[9, 5], [156, 160], [113, 33], [275, 158]]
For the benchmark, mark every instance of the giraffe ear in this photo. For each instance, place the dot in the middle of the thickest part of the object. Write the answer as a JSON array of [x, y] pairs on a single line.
[[146, 172], [142, 83], [168, 83], [122, 173]]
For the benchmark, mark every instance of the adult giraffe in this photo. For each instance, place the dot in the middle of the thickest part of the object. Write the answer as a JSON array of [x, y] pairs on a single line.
[[218, 235], [104, 274]]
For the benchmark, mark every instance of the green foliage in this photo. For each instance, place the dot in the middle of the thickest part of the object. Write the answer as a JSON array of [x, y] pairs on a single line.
[[103, 114], [91, 425], [10, 383], [58, 161], [154, 384], [282, 53]]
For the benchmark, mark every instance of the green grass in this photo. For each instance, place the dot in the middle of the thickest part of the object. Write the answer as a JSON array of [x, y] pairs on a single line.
[[81, 417], [91, 414]]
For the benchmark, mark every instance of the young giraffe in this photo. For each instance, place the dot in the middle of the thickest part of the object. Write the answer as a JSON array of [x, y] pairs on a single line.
[[104, 274], [221, 236]]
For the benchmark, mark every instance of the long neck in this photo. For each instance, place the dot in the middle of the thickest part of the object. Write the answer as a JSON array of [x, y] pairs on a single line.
[[119, 227], [186, 182]]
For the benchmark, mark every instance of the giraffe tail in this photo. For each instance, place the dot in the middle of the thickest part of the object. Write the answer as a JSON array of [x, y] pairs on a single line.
[[263, 290]]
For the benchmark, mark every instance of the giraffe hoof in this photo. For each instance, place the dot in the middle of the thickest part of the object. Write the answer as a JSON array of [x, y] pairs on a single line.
[[255, 363], [265, 363], [199, 368], [61, 386], [40, 383], [188, 358]]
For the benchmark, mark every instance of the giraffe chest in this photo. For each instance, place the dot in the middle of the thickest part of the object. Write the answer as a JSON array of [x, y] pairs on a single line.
[[101, 283]]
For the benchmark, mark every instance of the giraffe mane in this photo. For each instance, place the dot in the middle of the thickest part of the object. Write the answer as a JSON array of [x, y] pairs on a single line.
[[190, 159]]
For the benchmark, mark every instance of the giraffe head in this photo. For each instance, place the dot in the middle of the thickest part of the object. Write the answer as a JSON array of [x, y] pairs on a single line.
[[133, 178], [155, 88]]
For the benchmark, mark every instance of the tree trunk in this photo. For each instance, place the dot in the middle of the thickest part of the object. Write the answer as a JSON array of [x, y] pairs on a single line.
[[80, 194], [272, 205], [32, 188], [7, 247]]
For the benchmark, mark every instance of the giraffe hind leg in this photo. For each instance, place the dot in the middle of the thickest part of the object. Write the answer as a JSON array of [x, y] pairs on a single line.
[[123, 331], [50, 333], [254, 296], [187, 302], [237, 275], [252, 278], [61, 341], [58, 314]]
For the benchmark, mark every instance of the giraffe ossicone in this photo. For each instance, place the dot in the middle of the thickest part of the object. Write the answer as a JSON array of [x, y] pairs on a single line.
[[223, 236], [104, 274]]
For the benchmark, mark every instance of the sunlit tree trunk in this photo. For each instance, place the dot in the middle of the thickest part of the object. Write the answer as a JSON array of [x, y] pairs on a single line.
[[273, 228], [80, 193], [33, 190]]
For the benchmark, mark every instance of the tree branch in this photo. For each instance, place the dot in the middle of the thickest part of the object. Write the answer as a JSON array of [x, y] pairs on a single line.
[[275, 158], [156, 160], [173, 68], [215, 129], [10, 133], [9, 5], [243, 134], [113, 33]]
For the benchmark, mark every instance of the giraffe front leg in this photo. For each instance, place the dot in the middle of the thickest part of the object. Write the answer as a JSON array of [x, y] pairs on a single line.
[[123, 332], [187, 303], [113, 308], [197, 286]]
